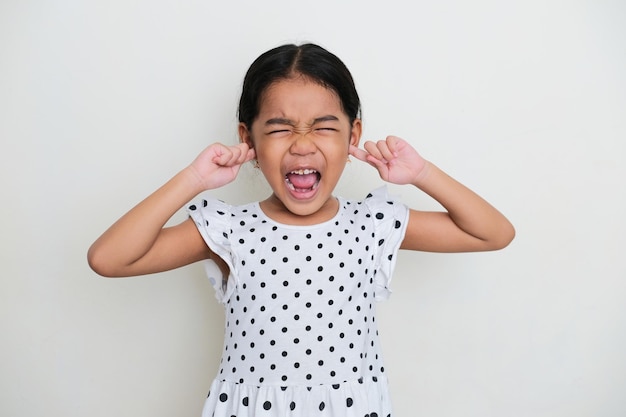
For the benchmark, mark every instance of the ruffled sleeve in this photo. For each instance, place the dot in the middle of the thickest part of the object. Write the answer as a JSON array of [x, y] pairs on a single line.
[[390, 219], [212, 218]]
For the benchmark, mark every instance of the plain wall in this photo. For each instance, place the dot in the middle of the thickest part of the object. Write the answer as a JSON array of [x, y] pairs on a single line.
[[524, 101]]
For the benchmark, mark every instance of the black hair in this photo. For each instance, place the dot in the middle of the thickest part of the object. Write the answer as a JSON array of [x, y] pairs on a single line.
[[286, 61]]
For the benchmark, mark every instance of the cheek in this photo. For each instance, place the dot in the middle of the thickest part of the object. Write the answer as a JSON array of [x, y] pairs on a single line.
[[269, 159]]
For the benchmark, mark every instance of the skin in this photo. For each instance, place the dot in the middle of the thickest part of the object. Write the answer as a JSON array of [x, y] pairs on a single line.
[[301, 125]]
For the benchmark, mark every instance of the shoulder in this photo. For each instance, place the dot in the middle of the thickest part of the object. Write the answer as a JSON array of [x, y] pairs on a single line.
[[217, 208], [380, 203], [379, 208], [216, 215]]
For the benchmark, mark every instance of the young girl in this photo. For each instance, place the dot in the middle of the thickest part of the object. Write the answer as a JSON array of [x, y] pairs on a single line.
[[302, 269]]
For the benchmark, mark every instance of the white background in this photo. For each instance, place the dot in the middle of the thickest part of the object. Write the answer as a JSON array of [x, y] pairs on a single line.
[[524, 101]]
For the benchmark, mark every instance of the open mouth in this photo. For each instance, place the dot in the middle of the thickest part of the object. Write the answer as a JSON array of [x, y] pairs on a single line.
[[302, 180]]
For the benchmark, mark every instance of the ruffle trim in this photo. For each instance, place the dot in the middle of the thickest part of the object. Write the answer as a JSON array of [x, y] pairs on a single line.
[[214, 231], [390, 222], [348, 399]]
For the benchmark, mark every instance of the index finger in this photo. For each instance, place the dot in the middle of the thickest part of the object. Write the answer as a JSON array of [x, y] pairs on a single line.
[[358, 153]]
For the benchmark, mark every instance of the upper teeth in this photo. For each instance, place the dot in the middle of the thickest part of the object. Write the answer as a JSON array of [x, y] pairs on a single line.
[[303, 171]]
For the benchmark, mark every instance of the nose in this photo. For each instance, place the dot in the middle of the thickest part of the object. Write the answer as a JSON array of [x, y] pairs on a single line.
[[302, 144]]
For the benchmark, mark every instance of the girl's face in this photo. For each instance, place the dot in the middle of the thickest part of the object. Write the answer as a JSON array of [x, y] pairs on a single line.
[[301, 138]]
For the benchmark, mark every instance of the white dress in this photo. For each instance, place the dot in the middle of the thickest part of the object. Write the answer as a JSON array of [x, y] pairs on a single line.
[[300, 303]]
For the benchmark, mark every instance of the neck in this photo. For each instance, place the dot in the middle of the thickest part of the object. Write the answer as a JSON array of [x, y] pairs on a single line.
[[274, 208]]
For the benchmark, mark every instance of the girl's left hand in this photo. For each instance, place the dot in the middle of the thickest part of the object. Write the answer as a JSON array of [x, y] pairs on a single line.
[[397, 162]]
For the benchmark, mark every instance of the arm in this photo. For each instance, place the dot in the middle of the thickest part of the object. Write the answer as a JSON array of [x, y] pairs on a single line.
[[139, 244], [469, 222]]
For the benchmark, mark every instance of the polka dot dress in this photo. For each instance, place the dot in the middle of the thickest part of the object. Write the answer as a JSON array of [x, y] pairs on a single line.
[[300, 331]]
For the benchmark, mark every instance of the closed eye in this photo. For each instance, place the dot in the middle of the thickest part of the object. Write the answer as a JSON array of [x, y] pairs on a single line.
[[326, 131]]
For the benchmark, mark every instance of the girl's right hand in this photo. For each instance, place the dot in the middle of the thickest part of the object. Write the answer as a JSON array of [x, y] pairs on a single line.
[[138, 243], [219, 164]]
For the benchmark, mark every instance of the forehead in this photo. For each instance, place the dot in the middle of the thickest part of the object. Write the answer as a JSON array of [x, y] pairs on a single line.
[[299, 99]]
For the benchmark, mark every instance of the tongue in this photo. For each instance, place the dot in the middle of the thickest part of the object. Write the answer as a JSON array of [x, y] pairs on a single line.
[[304, 181]]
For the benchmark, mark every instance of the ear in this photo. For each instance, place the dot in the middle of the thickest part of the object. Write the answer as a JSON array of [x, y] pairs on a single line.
[[244, 135], [355, 132]]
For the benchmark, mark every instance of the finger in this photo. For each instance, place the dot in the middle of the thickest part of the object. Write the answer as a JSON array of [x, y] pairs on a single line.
[[240, 154], [225, 155], [243, 154], [373, 150], [250, 155], [220, 154], [393, 142], [383, 148], [358, 153], [373, 156]]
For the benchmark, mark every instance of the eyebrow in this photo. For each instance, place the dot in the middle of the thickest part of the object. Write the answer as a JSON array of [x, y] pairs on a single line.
[[289, 122]]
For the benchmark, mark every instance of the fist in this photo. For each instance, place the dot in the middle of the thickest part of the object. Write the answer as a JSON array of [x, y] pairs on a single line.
[[219, 164]]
